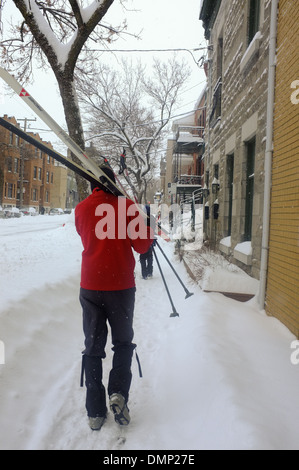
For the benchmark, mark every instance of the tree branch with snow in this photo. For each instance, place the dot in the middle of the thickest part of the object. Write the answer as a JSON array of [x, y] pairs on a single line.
[[122, 107], [58, 34]]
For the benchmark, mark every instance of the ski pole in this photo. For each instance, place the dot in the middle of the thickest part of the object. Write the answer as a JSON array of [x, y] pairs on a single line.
[[174, 313], [188, 294]]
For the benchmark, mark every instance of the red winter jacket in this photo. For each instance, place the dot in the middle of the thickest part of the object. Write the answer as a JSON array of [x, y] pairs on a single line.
[[108, 227]]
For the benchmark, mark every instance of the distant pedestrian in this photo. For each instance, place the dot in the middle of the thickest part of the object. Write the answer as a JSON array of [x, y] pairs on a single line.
[[146, 261], [122, 162]]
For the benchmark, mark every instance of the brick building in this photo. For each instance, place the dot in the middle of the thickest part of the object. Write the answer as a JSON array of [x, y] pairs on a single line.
[[38, 177], [10, 159], [282, 294], [26, 173]]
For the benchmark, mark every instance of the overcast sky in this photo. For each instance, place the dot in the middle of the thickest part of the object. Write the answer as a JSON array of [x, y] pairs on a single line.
[[162, 24]]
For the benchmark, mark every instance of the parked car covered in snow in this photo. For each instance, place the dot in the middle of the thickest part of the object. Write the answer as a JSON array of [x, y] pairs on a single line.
[[56, 211], [12, 212], [24, 212], [32, 211]]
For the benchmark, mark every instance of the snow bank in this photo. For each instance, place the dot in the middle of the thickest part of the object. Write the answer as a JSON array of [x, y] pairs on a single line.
[[34, 252]]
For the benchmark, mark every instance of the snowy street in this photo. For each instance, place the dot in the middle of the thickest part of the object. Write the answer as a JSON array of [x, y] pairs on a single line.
[[219, 376]]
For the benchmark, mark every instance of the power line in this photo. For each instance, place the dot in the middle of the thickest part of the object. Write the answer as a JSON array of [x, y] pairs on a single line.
[[171, 117], [150, 50], [190, 51]]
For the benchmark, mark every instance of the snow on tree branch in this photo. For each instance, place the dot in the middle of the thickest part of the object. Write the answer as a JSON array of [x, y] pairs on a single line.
[[122, 107]]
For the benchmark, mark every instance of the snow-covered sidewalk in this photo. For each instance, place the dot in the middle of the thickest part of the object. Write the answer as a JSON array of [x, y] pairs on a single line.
[[219, 376]]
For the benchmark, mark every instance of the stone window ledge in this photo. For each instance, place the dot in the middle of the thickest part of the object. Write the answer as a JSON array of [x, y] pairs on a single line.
[[225, 246], [243, 253], [251, 50]]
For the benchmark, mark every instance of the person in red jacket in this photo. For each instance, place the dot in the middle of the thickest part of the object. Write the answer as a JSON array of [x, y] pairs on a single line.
[[110, 228]]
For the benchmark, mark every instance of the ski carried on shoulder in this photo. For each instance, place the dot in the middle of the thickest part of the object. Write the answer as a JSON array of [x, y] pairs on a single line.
[[52, 153], [52, 124]]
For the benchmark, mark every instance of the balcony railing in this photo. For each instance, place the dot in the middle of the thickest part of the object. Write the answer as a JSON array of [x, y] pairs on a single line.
[[195, 131], [189, 180]]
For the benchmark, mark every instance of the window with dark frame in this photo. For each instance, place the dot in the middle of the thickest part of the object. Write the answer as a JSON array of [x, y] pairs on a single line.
[[9, 164], [217, 91], [216, 171], [230, 185], [254, 19], [250, 164]]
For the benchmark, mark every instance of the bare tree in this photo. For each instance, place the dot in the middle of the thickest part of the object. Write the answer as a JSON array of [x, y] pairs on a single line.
[[58, 33], [130, 112]]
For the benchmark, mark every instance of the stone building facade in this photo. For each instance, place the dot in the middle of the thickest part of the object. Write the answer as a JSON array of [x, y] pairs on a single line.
[[238, 37]]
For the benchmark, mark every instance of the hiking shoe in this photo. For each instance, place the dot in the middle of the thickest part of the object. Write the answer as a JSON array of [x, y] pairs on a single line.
[[119, 408], [95, 424]]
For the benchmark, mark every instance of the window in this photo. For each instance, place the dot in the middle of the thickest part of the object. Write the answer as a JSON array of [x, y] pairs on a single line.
[[16, 165], [216, 171], [48, 177], [254, 19], [207, 178], [35, 172], [34, 194], [250, 163], [230, 184], [219, 57], [217, 91], [10, 190], [39, 173], [9, 164]]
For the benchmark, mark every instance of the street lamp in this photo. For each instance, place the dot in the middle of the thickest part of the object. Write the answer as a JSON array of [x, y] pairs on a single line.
[[215, 186], [205, 192]]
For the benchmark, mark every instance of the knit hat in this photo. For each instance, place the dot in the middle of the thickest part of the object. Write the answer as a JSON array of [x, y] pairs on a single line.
[[105, 184]]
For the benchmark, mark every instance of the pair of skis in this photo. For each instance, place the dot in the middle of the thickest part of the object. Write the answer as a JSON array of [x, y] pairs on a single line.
[[91, 171]]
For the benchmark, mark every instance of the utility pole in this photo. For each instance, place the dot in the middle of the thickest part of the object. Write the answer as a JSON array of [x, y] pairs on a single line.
[[23, 161]]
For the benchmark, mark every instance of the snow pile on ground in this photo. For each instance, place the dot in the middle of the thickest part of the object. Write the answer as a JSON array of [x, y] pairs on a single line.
[[219, 376]]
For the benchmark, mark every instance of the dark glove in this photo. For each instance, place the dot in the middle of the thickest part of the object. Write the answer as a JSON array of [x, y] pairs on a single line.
[[154, 242]]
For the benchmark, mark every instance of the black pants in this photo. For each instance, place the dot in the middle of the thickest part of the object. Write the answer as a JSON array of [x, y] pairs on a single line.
[[116, 308], [146, 261]]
